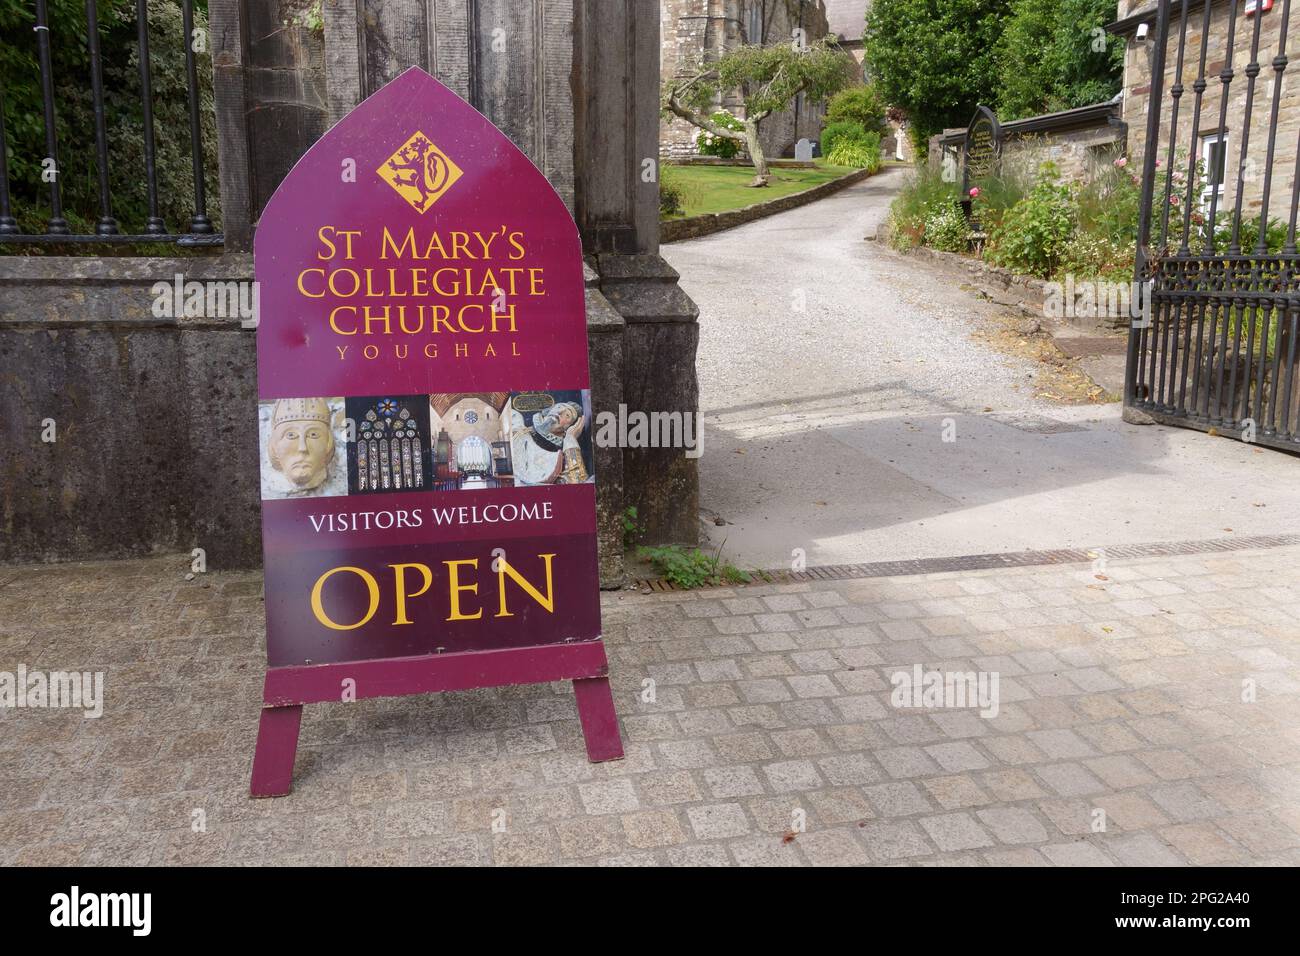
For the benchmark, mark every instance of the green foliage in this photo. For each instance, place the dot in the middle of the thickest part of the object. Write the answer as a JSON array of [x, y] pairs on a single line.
[[770, 77], [711, 144], [861, 104], [946, 228], [1109, 202], [78, 176], [925, 194], [631, 530], [1167, 215], [1053, 55], [842, 131], [1042, 227], [858, 153], [1032, 235], [1013, 179], [692, 568], [1092, 255], [1248, 234], [311, 18], [938, 61], [672, 193], [934, 61], [854, 121]]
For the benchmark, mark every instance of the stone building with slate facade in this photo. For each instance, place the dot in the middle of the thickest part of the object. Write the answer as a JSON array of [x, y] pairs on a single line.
[[692, 30], [1218, 142], [847, 19]]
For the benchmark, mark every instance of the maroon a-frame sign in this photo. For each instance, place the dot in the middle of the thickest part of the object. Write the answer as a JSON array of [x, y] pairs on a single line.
[[427, 473]]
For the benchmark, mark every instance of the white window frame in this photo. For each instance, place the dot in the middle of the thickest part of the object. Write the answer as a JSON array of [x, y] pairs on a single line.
[[1208, 191]]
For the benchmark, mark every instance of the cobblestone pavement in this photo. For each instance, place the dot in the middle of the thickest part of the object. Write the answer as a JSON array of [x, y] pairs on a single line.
[[771, 704]]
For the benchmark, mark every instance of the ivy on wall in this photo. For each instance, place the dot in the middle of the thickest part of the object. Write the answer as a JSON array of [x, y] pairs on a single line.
[[20, 85]]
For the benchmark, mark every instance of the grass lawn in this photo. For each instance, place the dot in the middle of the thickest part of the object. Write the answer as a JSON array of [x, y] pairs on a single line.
[[719, 188]]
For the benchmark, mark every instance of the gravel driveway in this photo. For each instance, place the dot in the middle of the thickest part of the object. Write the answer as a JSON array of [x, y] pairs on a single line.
[[831, 370]]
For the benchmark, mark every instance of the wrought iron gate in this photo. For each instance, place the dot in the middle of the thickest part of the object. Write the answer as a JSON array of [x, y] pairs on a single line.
[[1217, 346]]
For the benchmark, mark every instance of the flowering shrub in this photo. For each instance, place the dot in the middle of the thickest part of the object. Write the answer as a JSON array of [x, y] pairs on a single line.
[[710, 144], [924, 195], [1171, 233], [1090, 255], [946, 228], [1043, 227], [1032, 235]]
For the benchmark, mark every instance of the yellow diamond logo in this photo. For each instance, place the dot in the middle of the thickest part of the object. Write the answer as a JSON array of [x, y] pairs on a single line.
[[420, 172]]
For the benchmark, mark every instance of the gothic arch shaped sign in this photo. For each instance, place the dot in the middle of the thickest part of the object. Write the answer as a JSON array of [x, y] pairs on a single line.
[[429, 518]]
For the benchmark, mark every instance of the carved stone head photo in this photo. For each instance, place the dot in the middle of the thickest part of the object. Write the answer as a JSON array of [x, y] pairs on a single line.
[[302, 444], [301, 454]]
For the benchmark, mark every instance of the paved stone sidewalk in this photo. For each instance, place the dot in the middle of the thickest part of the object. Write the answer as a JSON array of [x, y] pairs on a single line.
[[771, 704]]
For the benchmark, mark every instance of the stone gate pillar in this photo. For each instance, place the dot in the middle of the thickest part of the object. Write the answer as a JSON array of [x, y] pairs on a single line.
[[617, 208]]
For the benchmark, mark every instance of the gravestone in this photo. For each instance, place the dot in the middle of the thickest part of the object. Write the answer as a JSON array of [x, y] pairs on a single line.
[[982, 149], [803, 150], [428, 472]]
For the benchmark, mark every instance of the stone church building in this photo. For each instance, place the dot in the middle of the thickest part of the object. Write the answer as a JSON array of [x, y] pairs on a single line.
[[695, 30]]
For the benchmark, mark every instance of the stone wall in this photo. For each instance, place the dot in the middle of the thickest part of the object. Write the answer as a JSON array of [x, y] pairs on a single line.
[[155, 447], [1076, 153], [1213, 120], [691, 30], [1077, 141]]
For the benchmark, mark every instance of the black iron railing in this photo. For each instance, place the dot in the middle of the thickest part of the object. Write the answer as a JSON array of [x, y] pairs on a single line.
[[1218, 350], [199, 230]]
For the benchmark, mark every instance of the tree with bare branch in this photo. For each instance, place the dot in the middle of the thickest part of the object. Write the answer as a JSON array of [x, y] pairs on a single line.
[[768, 79]]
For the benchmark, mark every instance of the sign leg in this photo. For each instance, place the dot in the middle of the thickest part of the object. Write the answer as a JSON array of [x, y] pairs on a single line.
[[277, 744], [599, 720]]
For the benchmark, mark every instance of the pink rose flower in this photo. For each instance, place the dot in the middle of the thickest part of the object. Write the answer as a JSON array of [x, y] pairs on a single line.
[[1121, 162], [974, 192]]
